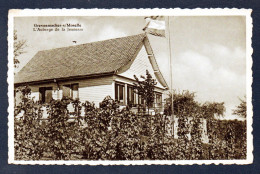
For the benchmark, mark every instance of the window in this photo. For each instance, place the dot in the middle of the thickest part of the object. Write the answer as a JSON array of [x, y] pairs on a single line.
[[45, 94], [66, 90], [158, 97], [119, 93], [71, 90], [140, 100], [131, 96]]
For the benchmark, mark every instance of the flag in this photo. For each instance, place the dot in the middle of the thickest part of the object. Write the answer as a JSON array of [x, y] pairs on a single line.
[[155, 25]]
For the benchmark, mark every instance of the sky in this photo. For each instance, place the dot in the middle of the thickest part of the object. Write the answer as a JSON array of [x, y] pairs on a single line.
[[208, 52]]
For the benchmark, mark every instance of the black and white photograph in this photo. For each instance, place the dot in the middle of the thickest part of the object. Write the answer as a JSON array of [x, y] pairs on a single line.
[[109, 87]]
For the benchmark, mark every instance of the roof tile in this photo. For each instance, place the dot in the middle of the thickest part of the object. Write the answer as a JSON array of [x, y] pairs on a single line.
[[80, 60]]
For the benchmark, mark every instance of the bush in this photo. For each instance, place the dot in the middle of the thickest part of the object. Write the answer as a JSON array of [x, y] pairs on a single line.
[[29, 142], [106, 133], [227, 139]]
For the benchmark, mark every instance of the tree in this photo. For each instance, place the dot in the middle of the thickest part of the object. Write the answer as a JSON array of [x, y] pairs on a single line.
[[19, 46], [210, 109], [145, 88], [184, 104], [241, 109]]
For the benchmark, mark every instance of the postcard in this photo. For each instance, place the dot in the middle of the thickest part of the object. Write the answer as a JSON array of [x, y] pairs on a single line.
[[130, 86]]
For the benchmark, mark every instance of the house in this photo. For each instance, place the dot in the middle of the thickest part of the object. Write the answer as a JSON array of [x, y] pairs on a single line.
[[93, 71]]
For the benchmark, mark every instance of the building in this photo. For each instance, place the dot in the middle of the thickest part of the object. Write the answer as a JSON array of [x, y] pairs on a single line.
[[93, 71]]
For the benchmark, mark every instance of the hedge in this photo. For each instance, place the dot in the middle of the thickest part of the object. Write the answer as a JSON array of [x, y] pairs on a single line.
[[107, 133]]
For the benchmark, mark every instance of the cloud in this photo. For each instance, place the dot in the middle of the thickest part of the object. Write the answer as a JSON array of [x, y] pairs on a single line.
[[208, 52], [93, 30], [233, 58], [110, 32], [211, 75]]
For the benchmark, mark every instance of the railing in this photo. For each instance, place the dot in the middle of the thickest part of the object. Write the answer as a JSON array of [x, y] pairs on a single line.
[[155, 108]]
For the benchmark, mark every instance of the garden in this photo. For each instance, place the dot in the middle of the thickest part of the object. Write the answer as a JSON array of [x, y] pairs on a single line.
[[109, 133]]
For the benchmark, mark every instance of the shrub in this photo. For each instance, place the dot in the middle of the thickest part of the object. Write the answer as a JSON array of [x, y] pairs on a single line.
[[62, 135], [29, 142], [107, 133], [227, 139]]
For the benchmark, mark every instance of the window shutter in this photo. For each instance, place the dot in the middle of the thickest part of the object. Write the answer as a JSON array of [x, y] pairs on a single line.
[[66, 91], [48, 95], [116, 92], [75, 91]]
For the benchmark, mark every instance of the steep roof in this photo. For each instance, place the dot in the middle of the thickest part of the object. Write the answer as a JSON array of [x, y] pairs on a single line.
[[90, 59], [80, 60]]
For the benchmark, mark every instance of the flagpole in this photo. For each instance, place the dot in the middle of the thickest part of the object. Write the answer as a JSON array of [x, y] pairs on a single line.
[[170, 57]]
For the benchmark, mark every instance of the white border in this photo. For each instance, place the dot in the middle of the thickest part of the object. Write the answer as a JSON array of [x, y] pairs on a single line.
[[131, 12]]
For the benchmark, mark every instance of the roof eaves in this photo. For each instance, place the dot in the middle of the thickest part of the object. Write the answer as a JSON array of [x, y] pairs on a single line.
[[158, 70], [65, 78]]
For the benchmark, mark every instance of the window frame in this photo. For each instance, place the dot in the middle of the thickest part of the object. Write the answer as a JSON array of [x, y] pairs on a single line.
[[117, 93], [134, 97], [158, 103], [70, 86], [42, 94]]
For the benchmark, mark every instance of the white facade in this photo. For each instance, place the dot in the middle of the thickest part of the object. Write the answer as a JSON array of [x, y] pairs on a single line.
[[138, 67], [96, 89]]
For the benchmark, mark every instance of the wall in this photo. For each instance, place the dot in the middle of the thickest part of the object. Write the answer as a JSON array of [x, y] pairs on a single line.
[[95, 90], [138, 67], [92, 89], [35, 90]]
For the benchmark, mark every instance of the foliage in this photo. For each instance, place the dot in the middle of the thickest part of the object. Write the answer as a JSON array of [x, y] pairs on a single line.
[[241, 109], [184, 104], [227, 139], [19, 46], [29, 144], [190, 149], [210, 109], [107, 133], [145, 88], [62, 134]]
